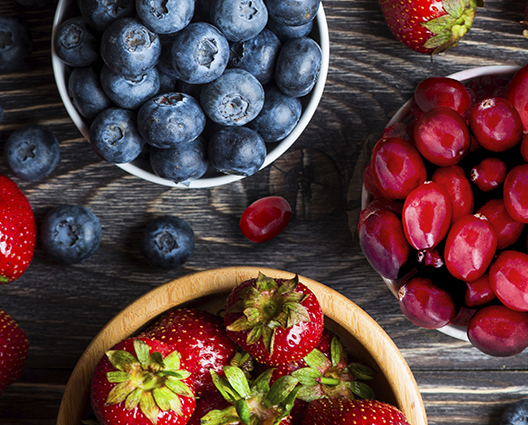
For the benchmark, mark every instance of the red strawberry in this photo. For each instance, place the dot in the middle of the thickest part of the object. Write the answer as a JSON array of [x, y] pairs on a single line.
[[142, 381], [211, 401], [18, 230], [200, 338], [429, 26], [325, 411], [13, 351], [276, 321]]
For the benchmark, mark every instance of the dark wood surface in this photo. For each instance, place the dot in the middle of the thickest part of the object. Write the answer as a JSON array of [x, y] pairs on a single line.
[[371, 75]]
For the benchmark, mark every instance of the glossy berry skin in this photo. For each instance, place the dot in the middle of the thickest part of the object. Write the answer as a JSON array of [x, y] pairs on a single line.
[[168, 19], [458, 187], [86, 93], [515, 413], [100, 13], [75, 44], [496, 124], [285, 32], [442, 91], [471, 234], [524, 148], [442, 136], [32, 152], [509, 279], [489, 173], [479, 292], [498, 331], [167, 242], [295, 13], [426, 215], [14, 348], [239, 20], [515, 193], [265, 219], [397, 167], [517, 94], [507, 229], [70, 234], [18, 227], [425, 304], [18, 46]]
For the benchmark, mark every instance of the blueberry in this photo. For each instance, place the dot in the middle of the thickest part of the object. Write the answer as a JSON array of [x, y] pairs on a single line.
[[75, 44], [200, 53], [516, 413], [257, 55], [170, 118], [234, 98], [239, 19], [168, 83], [293, 12], [70, 234], [181, 164], [86, 93], [167, 242], [298, 66], [101, 13], [32, 152], [15, 44], [236, 150], [278, 117], [129, 48], [114, 136], [165, 17], [285, 32], [130, 92]]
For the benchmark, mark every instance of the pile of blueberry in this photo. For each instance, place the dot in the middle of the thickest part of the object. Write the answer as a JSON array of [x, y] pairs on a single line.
[[194, 85]]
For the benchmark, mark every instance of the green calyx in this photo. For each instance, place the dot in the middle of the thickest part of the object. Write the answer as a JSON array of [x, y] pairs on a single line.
[[147, 380], [267, 306]]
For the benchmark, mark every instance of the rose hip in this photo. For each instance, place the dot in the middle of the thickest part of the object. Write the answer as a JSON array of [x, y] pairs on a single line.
[[442, 136], [489, 173], [507, 229], [470, 246], [479, 292], [509, 279], [515, 193], [426, 215], [442, 91], [457, 185]]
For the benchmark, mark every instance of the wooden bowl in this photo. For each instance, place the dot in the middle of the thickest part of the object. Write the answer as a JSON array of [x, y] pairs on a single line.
[[366, 340]]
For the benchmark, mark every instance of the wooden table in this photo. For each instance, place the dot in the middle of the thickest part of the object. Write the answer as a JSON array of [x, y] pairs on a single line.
[[371, 75]]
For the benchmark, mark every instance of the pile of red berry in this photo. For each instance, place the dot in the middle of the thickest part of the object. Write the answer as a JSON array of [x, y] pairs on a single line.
[[448, 218]]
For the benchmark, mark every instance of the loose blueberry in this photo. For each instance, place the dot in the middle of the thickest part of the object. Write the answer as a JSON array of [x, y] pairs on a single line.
[[167, 242], [114, 136], [101, 13], [296, 12], [75, 44], [169, 119], [165, 17], [233, 99], [31, 152], [516, 413], [86, 93], [70, 234], [236, 150], [285, 32], [239, 19], [15, 44]]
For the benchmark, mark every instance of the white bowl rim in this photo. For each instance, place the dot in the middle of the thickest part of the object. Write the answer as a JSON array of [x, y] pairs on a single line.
[[315, 96]]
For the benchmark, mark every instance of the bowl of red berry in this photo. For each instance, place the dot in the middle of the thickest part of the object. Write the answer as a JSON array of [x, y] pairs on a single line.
[[185, 95], [444, 207], [241, 345]]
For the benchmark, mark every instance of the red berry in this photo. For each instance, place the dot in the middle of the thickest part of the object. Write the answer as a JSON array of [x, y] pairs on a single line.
[[457, 185], [515, 193], [14, 348], [379, 204], [489, 173], [442, 91], [265, 218], [509, 279], [507, 229], [479, 292], [517, 94]]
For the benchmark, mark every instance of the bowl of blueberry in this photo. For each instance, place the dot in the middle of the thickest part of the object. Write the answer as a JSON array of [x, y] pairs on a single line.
[[190, 94], [444, 207]]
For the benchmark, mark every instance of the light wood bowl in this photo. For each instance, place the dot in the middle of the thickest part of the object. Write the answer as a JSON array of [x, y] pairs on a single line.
[[364, 338]]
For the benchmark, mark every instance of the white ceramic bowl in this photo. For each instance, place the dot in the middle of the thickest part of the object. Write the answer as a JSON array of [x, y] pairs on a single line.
[[458, 331], [142, 168]]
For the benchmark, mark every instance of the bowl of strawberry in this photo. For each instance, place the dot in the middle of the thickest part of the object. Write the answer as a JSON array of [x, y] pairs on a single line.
[[241, 345], [444, 207]]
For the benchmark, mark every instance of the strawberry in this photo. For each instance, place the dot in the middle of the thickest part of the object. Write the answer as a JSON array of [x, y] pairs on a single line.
[[18, 230], [141, 381], [325, 411], [429, 26], [200, 338], [276, 321], [14, 349]]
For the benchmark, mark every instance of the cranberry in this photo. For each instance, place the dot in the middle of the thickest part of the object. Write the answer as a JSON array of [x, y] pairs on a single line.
[[384, 244], [517, 94], [489, 173], [470, 246], [486, 86], [426, 215], [498, 331], [425, 304], [507, 229], [509, 279], [379, 204], [515, 193], [442, 91], [479, 292], [442, 136], [370, 183], [265, 218], [397, 167], [457, 185], [430, 258], [398, 129]]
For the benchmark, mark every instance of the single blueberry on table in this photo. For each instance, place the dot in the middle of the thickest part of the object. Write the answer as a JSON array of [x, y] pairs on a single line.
[[233, 99], [239, 19], [101, 13], [285, 32], [167, 242], [200, 53], [163, 16], [236, 150], [298, 66], [70, 234], [15, 44], [293, 12], [75, 44], [516, 413], [114, 136], [32, 152], [86, 93]]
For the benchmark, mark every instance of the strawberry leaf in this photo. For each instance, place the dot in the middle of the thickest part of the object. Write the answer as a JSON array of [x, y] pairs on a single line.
[[280, 389], [317, 360], [142, 352], [122, 360], [361, 389], [179, 387], [238, 381], [148, 407], [243, 411], [133, 399], [173, 361], [360, 371], [221, 417], [307, 376], [118, 376], [120, 392]]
